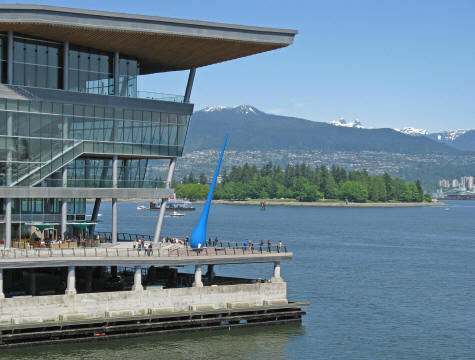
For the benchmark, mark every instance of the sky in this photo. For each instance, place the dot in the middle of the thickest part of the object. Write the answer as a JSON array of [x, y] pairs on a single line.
[[388, 63]]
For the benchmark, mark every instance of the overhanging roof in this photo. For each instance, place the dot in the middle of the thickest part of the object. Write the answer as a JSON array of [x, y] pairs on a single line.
[[161, 44]]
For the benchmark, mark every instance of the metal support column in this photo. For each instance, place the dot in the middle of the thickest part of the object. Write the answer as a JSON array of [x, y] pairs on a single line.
[[64, 205], [198, 282], [163, 206], [71, 282], [189, 84], [116, 73], [115, 162], [137, 279], [10, 58], [8, 222], [8, 201], [66, 65]]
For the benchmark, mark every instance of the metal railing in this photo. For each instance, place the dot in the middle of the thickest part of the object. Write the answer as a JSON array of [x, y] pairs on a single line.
[[14, 253]]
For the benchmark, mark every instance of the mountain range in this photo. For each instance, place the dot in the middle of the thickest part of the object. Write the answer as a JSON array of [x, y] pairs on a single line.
[[257, 137], [251, 129]]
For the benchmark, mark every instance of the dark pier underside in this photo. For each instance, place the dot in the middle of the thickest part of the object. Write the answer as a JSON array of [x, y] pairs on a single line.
[[104, 329]]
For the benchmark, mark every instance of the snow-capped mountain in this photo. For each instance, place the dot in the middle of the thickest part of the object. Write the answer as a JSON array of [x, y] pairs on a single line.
[[449, 135], [409, 130], [243, 109], [342, 122]]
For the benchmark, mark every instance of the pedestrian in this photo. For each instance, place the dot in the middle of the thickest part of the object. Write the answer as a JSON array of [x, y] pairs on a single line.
[[150, 249], [279, 247], [134, 244], [269, 243]]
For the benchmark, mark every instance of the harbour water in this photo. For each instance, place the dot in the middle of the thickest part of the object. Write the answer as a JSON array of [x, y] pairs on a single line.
[[383, 283]]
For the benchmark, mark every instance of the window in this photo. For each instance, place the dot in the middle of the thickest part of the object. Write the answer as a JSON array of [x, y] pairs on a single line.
[[37, 63]]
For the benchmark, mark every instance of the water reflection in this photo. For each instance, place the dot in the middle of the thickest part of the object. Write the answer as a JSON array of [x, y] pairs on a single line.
[[242, 344]]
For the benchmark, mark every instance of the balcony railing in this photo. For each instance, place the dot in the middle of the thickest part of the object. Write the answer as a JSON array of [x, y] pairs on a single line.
[[160, 96]]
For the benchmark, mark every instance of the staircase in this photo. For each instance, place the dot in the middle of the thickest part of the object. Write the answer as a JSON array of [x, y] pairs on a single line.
[[41, 172]]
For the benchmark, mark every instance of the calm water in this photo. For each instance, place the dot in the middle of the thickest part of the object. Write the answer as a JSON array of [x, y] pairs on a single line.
[[383, 284]]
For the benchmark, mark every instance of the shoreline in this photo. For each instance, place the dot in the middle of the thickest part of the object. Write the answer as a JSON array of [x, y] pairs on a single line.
[[321, 204], [296, 203]]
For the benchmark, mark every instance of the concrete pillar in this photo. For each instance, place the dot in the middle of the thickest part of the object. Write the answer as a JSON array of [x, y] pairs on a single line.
[[198, 282], [210, 273], [71, 283], [8, 222], [161, 215], [32, 276], [115, 162], [137, 279], [276, 277], [2, 294]]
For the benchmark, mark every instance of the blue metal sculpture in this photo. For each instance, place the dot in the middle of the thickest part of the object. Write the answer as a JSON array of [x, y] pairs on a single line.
[[198, 237]]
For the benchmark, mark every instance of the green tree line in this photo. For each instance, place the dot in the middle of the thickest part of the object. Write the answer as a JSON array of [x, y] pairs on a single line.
[[303, 183]]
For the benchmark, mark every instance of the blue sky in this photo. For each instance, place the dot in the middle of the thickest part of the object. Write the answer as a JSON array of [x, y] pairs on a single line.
[[389, 63]]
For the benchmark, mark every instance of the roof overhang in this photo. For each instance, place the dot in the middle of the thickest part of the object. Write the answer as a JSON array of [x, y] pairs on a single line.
[[161, 44]]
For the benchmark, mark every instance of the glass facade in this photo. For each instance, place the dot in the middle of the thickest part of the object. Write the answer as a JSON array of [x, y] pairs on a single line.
[[128, 72], [38, 137], [46, 135], [90, 71], [37, 63], [3, 57]]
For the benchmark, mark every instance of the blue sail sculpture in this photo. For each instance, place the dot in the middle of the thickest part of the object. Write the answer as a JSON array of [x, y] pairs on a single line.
[[198, 237]]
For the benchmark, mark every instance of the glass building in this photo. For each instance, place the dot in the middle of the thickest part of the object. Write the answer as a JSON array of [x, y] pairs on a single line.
[[73, 123]]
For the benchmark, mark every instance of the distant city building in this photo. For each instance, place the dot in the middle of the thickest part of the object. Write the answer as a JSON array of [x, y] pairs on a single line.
[[455, 183], [444, 184], [467, 182]]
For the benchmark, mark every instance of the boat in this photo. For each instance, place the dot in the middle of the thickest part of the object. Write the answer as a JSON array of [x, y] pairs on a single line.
[[173, 204], [141, 207], [176, 214]]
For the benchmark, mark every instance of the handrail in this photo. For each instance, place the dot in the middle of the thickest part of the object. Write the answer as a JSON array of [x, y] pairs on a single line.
[[16, 253]]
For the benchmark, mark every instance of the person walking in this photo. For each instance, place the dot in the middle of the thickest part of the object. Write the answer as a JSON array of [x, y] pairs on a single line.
[[269, 244]]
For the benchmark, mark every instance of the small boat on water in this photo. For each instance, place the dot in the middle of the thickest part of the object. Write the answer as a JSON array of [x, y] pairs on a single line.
[[173, 204], [176, 214], [141, 207]]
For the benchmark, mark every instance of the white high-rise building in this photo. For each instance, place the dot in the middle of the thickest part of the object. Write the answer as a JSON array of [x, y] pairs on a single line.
[[467, 182]]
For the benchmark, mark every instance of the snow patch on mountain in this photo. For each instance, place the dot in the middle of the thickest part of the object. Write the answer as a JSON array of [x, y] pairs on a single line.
[[409, 130], [342, 122], [243, 109], [215, 108], [449, 135]]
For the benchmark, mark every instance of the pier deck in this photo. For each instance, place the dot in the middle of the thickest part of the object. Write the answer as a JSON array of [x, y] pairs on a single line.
[[123, 255]]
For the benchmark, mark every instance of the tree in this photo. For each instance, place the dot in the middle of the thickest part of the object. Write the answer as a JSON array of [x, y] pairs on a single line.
[[354, 191], [203, 179], [420, 191]]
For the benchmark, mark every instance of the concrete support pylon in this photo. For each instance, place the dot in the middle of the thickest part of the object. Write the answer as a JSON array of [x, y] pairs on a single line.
[[71, 282], [137, 279], [198, 281], [2, 294], [277, 277]]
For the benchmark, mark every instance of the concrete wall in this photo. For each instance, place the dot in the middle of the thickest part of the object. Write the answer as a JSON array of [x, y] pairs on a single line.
[[27, 309]]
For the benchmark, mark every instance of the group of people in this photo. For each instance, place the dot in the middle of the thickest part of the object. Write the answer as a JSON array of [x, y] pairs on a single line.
[[250, 245], [142, 245]]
